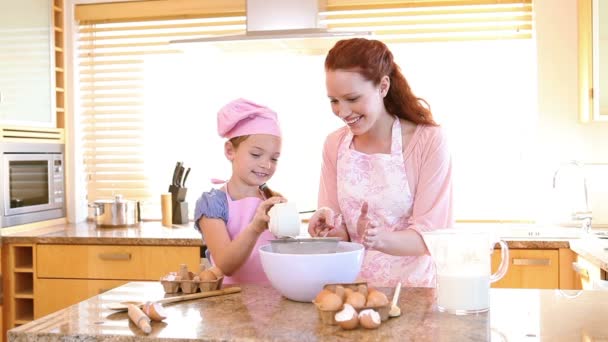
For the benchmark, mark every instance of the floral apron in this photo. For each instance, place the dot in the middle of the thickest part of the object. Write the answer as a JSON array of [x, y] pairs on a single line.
[[380, 180]]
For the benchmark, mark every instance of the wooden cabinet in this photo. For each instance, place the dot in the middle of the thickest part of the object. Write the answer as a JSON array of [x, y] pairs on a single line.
[[529, 268], [97, 268], [56, 294], [27, 80], [593, 48], [43, 278], [111, 262]]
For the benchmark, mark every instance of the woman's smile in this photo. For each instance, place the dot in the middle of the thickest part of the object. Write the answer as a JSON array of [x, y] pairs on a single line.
[[353, 121]]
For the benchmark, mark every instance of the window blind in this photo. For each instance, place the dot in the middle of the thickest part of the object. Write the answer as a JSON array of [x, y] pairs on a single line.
[[113, 44]]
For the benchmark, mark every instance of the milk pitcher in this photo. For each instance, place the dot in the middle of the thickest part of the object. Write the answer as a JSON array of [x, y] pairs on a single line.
[[463, 258]]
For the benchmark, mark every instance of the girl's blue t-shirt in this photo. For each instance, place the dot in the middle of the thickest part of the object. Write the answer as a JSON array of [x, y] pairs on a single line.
[[211, 204]]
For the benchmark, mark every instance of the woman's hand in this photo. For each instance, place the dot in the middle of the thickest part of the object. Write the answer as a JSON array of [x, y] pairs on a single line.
[[261, 217], [371, 237], [323, 221]]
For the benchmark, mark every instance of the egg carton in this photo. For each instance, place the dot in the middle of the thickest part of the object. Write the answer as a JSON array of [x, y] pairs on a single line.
[[329, 316], [191, 286]]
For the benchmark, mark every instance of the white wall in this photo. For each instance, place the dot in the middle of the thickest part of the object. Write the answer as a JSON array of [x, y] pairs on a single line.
[[561, 136]]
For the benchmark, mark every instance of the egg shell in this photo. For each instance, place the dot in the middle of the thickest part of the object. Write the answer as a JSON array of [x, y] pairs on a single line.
[[348, 318], [155, 311], [369, 319]]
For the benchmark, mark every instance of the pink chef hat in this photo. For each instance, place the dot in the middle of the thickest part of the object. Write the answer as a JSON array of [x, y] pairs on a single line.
[[243, 117]]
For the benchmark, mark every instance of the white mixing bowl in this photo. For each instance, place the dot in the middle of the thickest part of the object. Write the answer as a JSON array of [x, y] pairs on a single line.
[[300, 277]]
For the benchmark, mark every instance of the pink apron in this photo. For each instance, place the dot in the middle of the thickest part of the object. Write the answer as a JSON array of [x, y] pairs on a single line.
[[240, 214], [380, 180]]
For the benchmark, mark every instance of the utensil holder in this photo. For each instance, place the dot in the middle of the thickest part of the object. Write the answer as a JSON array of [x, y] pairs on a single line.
[[179, 204], [180, 212]]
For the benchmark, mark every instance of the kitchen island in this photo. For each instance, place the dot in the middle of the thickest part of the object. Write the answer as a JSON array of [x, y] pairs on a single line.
[[50, 268], [261, 313]]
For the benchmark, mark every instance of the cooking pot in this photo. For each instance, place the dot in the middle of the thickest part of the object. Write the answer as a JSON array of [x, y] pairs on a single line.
[[116, 213]]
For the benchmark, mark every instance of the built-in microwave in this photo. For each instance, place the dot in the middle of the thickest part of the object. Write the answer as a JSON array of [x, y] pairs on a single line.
[[31, 182]]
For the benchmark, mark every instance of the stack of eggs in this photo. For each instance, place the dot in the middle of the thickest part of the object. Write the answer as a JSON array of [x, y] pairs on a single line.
[[351, 305], [206, 280]]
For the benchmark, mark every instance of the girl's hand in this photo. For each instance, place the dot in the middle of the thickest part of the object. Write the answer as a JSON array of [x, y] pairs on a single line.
[[261, 218], [323, 221]]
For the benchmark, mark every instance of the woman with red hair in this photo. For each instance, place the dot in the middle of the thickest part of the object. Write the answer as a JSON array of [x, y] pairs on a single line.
[[386, 175]]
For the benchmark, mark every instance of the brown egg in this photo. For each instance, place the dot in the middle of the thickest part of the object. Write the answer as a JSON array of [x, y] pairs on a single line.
[[356, 299], [216, 270], [347, 291], [369, 319], [340, 292], [330, 302], [347, 319], [362, 289], [155, 311], [376, 298], [207, 275], [321, 295]]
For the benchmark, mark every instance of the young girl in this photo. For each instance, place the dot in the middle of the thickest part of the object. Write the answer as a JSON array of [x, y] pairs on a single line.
[[234, 219]]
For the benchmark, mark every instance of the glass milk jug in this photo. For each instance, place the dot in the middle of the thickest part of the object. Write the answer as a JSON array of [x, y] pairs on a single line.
[[463, 258]]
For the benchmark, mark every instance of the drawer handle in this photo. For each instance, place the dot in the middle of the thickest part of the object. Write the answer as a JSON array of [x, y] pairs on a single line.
[[531, 262], [580, 270], [115, 256]]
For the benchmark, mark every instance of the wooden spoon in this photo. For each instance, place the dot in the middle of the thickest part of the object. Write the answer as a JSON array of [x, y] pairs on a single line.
[[395, 310], [123, 306]]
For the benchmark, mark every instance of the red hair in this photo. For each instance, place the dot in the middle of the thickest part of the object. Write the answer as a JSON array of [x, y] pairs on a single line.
[[373, 60]]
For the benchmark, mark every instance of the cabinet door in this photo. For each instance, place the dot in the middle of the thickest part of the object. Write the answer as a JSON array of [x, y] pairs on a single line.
[[27, 74], [56, 294], [113, 262], [529, 268]]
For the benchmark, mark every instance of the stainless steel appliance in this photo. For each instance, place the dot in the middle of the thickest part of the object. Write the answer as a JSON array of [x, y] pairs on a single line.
[[32, 182], [116, 213]]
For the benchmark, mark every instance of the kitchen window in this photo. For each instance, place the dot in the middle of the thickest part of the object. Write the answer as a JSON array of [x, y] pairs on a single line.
[[146, 104]]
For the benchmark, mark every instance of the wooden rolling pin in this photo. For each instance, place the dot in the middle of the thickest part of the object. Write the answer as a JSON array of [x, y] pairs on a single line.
[[139, 318]]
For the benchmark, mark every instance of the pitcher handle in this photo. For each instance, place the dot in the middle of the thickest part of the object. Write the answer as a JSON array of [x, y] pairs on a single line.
[[504, 262]]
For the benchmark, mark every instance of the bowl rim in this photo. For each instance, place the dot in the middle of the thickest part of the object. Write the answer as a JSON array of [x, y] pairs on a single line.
[[358, 248]]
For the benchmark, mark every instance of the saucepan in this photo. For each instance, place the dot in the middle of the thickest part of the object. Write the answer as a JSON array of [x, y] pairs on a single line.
[[117, 212]]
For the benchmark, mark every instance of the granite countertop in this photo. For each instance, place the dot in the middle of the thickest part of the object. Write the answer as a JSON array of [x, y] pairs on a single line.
[[526, 243], [593, 249], [260, 313], [146, 233]]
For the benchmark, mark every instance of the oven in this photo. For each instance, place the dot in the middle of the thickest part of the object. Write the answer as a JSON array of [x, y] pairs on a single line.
[[32, 182]]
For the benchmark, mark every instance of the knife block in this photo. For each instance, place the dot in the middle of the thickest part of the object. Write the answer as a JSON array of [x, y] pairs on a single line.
[[178, 204]]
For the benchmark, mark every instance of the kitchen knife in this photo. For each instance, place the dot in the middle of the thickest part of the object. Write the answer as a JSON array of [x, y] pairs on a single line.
[[180, 173], [174, 180], [185, 177]]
